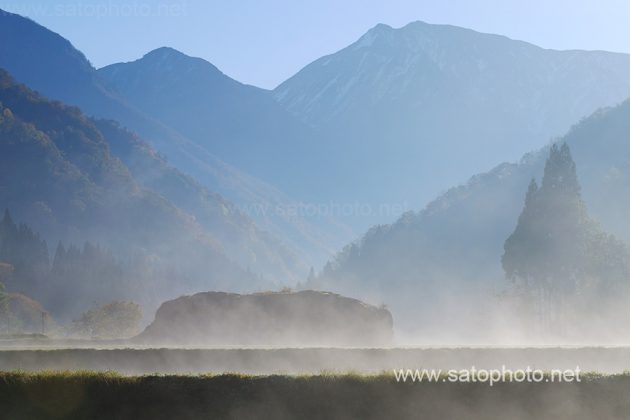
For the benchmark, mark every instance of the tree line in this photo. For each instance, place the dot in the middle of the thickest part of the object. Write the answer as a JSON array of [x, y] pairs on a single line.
[[87, 280]]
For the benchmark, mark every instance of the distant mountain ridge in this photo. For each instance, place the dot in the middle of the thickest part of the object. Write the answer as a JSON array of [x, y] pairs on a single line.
[[243, 124], [382, 116], [49, 64], [433, 104]]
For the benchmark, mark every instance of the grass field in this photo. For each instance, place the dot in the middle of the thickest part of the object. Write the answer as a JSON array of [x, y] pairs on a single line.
[[109, 396], [288, 384]]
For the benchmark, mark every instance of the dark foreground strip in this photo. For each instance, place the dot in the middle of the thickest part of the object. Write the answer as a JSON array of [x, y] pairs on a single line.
[[104, 396]]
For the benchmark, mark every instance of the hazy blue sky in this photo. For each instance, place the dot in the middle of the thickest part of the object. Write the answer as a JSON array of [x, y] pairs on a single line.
[[262, 42]]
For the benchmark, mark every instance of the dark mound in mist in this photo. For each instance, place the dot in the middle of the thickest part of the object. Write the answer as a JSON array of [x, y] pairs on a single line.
[[306, 318]]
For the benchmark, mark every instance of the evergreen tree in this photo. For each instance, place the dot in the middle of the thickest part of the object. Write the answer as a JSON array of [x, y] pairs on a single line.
[[81, 275], [59, 258], [4, 306], [8, 236], [26, 252], [523, 250], [556, 251], [311, 276]]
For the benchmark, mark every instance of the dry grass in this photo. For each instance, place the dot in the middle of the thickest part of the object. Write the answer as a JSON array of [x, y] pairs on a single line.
[[92, 395]]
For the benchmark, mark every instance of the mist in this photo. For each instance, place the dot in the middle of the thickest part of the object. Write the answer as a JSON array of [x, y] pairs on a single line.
[[427, 200]]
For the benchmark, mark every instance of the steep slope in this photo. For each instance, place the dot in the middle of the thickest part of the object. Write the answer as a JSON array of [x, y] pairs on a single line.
[[58, 174], [434, 103], [49, 64], [444, 260], [239, 236], [242, 240]]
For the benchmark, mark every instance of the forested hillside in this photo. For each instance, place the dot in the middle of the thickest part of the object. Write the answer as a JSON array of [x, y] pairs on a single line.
[[453, 247], [59, 175]]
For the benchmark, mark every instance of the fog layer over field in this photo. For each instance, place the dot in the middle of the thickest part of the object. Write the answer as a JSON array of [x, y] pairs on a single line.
[[266, 361]]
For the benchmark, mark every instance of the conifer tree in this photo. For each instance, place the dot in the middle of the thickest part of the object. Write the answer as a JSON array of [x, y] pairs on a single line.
[[557, 251]]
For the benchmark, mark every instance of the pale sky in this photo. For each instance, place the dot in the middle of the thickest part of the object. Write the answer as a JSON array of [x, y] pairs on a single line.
[[263, 42]]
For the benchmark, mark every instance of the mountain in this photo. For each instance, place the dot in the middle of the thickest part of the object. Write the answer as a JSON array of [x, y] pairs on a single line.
[[406, 113], [48, 63], [242, 124], [443, 262], [241, 239], [380, 117], [77, 180]]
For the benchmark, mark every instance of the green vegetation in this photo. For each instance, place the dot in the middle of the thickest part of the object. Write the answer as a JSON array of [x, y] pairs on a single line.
[[4, 303], [562, 263], [83, 395], [110, 321]]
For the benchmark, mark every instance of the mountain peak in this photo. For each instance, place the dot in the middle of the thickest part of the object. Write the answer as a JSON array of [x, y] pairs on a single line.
[[377, 32], [417, 24], [388, 34], [419, 34], [165, 52], [168, 60], [384, 29], [380, 28]]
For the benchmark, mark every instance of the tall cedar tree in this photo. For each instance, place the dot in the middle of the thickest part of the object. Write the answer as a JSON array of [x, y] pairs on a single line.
[[557, 251]]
